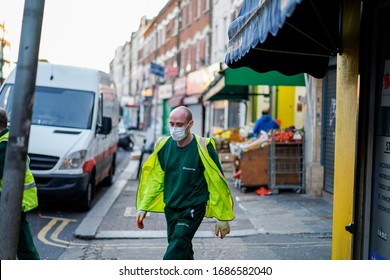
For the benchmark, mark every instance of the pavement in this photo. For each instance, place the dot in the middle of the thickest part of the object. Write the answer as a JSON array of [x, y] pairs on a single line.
[[288, 212]]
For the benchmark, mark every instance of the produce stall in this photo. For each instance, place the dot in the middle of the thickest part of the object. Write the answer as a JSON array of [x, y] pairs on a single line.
[[272, 160]]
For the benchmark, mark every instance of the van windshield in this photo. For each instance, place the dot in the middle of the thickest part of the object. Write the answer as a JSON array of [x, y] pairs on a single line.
[[56, 107]]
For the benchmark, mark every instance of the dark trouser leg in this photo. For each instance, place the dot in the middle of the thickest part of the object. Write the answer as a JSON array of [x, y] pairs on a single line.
[[182, 226], [26, 247]]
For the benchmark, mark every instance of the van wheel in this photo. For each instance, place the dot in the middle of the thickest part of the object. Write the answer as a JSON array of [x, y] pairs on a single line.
[[109, 180], [130, 145], [85, 202]]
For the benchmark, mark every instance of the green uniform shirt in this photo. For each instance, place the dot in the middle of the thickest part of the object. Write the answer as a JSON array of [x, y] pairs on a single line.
[[184, 182]]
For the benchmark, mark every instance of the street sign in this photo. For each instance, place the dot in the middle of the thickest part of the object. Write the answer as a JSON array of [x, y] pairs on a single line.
[[157, 69]]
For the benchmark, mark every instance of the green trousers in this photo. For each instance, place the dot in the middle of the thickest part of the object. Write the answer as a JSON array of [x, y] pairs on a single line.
[[26, 248], [182, 225]]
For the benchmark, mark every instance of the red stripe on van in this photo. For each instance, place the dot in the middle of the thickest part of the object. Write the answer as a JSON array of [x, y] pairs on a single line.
[[88, 166], [106, 153]]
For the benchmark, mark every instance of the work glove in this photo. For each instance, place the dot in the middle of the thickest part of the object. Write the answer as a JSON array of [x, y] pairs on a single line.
[[140, 218], [222, 228]]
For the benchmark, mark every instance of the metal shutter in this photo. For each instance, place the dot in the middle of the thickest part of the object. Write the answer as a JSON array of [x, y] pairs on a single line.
[[329, 129]]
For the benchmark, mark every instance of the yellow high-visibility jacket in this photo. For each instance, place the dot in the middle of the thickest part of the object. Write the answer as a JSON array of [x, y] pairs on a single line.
[[30, 194], [150, 194]]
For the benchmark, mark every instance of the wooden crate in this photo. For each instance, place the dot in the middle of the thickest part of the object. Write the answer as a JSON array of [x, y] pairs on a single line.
[[254, 167]]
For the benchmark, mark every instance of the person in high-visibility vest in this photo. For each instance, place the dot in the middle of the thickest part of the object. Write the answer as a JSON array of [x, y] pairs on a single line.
[[26, 249], [183, 178]]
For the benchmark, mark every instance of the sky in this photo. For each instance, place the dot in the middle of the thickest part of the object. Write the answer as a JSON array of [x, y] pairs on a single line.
[[80, 32]]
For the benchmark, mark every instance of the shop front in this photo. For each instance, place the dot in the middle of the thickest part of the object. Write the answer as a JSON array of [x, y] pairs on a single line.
[[146, 108], [165, 93], [236, 92], [359, 38], [179, 92], [225, 105], [197, 82], [130, 111]]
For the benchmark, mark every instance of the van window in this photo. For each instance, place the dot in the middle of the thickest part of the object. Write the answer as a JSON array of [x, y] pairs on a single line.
[[56, 107]]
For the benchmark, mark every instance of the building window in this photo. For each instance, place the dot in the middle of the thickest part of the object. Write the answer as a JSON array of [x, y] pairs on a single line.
[[198, 8], [162, 32], [188, 67], [207, 49], [233, 114], [206, 5], [181, 63], [183, 17], [190, 12], [168, 30], [197, 54], [176, 27], [219, 114], [158, 39]]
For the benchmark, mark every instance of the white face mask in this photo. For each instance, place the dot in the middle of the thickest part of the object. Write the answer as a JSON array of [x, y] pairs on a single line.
[[178, 133]]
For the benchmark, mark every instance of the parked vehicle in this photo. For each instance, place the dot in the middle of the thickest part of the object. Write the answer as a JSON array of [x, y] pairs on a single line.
[[73, 137], [126, 138]]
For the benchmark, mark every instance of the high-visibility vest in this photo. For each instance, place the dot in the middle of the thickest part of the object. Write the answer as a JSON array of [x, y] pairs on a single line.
[[30, 193], [151, 186]]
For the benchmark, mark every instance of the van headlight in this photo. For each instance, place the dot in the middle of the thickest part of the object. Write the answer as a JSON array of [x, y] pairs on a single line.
[[74, 160]]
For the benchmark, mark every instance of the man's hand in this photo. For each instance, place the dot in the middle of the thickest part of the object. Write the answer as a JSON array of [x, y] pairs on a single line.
[[140, 218], [222, 228]]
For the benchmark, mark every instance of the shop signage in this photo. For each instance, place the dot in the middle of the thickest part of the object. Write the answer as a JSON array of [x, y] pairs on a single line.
[[172, 71], [147, 92], [380, 226], [198, 81], [165, 91], [180, 86], [157, 69], [380, 201]]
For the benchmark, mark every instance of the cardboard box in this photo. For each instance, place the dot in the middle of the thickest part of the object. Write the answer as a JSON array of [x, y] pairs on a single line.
[[254, 167]]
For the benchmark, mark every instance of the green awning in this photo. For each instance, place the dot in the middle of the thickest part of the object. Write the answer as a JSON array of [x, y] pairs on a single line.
[[232, 84], [247, 77], [219, 90]]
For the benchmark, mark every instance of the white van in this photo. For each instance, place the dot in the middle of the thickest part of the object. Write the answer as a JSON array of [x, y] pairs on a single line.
[[73, 136]]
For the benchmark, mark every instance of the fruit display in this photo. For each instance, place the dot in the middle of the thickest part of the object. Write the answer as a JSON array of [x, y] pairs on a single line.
[[286, 136]]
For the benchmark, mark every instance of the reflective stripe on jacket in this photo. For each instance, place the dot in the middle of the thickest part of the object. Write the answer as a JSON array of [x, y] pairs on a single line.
[[150, 195], [30, 194]]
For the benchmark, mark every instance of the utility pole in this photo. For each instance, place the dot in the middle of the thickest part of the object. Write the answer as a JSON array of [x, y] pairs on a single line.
[[15, 160]]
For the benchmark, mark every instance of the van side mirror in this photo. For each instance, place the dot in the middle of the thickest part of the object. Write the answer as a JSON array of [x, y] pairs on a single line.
[[105, 127]]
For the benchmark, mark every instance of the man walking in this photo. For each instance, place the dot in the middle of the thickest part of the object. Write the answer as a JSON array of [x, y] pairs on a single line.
[[183, 178], [26, 249]]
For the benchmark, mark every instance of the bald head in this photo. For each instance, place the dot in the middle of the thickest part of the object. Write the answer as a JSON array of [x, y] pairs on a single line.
[[182, 111], [181, 117]]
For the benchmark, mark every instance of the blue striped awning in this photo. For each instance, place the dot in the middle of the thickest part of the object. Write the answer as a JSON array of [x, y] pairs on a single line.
[[289, 36]]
